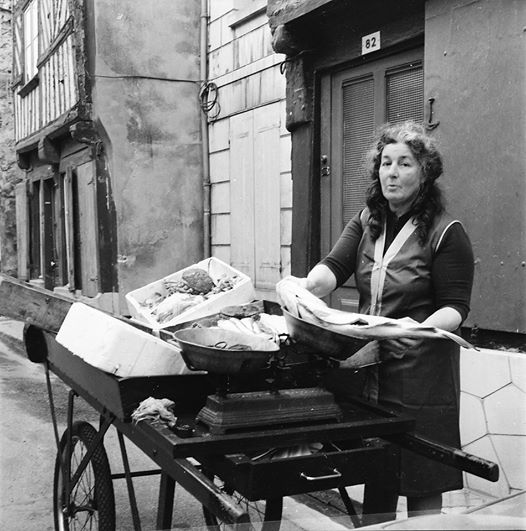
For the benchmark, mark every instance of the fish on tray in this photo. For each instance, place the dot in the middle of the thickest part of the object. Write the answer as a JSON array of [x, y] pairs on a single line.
[[307, 306]]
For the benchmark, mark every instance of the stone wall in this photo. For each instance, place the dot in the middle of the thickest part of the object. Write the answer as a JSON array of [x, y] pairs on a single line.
[[10, 174]]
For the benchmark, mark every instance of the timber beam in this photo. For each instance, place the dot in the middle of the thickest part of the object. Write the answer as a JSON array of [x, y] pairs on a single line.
[[22, 301]]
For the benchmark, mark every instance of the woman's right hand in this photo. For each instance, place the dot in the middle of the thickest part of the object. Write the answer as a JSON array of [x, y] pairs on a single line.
[[286, 295]]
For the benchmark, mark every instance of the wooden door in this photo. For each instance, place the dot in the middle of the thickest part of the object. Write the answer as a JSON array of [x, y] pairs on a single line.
[[354, 102], [255, 195]]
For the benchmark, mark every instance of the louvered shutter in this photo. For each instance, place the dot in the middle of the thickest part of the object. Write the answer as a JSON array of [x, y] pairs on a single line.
[[358, 128], [405, 93]]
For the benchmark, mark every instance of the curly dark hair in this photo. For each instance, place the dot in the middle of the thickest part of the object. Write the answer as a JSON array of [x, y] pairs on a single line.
[[429, 202]]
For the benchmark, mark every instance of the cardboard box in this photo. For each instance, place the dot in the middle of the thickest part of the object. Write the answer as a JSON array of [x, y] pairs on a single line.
[[242, 293], [117, 347]]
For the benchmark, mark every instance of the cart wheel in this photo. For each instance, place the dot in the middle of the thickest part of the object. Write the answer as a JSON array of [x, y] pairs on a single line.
[[264, 514], [92, 502]]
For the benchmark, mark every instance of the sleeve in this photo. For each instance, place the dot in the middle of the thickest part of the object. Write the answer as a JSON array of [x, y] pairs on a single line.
[[342, 258], [453, 270]]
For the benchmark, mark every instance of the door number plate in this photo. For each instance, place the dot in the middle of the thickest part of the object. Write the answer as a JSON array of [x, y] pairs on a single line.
[[371, 42]]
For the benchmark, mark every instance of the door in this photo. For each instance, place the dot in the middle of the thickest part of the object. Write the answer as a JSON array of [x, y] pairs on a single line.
[[354, 102], [255, 195]]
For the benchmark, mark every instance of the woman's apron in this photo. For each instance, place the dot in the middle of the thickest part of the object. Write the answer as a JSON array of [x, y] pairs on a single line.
[[424, 383]]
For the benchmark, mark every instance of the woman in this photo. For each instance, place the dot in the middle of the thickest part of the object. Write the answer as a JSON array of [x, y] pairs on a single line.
[[410, 260]]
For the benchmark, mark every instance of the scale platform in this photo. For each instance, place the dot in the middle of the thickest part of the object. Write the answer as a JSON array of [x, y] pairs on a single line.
[[234, 411]]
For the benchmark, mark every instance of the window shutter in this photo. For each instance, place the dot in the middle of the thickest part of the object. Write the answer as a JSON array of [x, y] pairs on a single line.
[[267, 196], [405, 93], [22, 230], [88, 228], [18, 49], [358, 128], [69, 230], [242, 226]]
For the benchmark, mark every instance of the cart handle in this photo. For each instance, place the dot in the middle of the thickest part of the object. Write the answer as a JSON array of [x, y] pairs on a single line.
[[335, 475], [448, 455]]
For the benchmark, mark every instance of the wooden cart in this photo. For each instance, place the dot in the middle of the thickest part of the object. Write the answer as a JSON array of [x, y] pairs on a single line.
[[230, 473]]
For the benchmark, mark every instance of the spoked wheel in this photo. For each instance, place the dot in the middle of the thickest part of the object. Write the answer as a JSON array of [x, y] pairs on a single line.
[[265, 515], [91, 504]]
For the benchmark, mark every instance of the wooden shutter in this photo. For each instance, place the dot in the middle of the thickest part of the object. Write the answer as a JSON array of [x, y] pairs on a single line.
[[22, 230], [267, 195], [255, 194], [242, 193], [18, 49], [59, 237], [88, 228], [69, 228], [358, 128]]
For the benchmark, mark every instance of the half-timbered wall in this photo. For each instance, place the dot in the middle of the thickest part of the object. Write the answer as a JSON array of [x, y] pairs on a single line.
[[44, 81], [251, 190]]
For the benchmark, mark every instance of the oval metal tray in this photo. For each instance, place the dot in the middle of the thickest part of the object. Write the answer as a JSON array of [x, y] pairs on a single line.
[[321, 340], [211, 349]]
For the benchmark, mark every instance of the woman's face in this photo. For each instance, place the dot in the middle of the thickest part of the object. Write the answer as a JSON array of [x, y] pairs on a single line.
[[400, 177]]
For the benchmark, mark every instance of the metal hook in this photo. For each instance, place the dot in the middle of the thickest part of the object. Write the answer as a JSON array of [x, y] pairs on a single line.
[[430, 125]]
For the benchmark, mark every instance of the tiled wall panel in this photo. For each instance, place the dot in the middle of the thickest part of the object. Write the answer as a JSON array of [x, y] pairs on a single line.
[[512, 456], [484, 448], [493, 416], [472, 418], [473, 362]]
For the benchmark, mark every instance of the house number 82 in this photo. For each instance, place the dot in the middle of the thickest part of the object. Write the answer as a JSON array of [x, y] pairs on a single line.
[[371, 42]]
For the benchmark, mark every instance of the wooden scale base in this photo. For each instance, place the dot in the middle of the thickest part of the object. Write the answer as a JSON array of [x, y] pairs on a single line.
[[233, 411]]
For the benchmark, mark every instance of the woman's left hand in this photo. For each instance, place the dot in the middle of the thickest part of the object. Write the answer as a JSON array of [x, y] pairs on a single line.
[[397, 348]]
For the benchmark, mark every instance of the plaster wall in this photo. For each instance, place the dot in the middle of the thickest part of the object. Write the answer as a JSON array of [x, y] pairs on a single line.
[[144, 71], [475, 70]]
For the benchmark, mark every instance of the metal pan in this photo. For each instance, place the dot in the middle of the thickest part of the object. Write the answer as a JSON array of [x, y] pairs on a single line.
[[321, 340], [222, 351]]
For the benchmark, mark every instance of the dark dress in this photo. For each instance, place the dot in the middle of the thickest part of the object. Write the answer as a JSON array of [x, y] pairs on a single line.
[[397, 277]]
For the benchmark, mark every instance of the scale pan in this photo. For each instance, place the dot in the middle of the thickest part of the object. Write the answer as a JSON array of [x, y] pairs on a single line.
[[320, 340], [222, 351]]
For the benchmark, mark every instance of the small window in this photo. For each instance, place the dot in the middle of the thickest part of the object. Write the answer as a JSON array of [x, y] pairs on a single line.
[[30, 24], [55, 231]]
